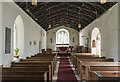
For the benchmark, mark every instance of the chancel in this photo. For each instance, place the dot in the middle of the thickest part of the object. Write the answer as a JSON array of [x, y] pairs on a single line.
[[46, 41]]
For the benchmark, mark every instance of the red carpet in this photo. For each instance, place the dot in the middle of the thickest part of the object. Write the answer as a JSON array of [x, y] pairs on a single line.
[[65, 72]]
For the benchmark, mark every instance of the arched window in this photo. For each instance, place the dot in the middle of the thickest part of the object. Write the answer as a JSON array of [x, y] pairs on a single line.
[[19, 35], [96, 42], [62, 36]]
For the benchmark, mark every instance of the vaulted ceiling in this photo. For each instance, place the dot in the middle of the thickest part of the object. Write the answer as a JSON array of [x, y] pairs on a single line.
[[68, 14]]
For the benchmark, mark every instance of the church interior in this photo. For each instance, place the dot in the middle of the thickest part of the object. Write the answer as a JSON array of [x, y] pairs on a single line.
[[47, 41]]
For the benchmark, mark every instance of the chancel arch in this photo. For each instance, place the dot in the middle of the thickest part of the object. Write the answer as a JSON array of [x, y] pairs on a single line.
[[19, 35], [96, 42]]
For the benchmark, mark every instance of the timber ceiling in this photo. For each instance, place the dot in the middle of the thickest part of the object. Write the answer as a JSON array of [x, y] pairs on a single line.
[[68, 14]]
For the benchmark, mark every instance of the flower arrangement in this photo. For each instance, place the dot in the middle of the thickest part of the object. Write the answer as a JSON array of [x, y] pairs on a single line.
[[97, 52], [16, 52]]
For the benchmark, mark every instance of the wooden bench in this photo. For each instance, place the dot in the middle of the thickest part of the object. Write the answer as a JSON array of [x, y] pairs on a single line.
[[40, 66], [89, 58], [35, 57], [97, 66], [74, 57], [35, 64], [84, 61], [23, 78], [43, 58], [16, 74], [45, 54], [82, 54], [40, 60], [28, 60], [75, 61], [104, 75]]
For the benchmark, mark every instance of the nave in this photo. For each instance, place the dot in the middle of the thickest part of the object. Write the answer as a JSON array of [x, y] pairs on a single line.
[[59, 41]]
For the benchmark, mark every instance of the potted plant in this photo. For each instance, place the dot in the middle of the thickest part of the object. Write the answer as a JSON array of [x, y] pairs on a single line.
[[97, 52], [16, 53]]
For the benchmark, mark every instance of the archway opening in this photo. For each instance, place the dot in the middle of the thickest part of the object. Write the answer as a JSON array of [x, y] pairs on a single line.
[[96, 42], [19, 35]]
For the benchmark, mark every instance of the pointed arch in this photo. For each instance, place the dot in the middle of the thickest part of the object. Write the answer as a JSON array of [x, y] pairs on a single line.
[[19, 35], [96, 42]]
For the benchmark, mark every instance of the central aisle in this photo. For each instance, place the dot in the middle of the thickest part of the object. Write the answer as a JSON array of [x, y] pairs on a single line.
[[65, 72]]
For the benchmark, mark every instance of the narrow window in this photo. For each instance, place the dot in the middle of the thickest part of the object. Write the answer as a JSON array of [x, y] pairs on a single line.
[[7, 40]]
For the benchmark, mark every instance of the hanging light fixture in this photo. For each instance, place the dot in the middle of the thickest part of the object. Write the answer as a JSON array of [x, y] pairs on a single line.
[[49, 26], [103, 1], [31, 14], [79, 25], [34, 2], [96, 16], [49, 21]]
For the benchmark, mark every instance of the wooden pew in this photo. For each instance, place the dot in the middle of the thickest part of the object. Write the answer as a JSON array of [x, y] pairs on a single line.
[[28, 60], [81, 54], [45, 62], [97, 66], [24, 74], [76, 59], [100, 76], [23, 78], [35, 64], [45, 54], [40, 60], [43, 58], [32, 63], [38, 68], [81, 62]]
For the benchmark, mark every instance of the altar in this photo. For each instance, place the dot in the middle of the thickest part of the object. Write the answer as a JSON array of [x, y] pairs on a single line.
[[62, 48]]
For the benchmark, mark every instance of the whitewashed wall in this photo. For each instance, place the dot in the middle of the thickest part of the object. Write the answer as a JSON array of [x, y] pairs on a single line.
[[32, 31], [108, 26], [119, 32], [52, 34], [0, 33]]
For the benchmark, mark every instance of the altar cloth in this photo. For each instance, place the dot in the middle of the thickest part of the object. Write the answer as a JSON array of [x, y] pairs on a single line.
[[63, 48]]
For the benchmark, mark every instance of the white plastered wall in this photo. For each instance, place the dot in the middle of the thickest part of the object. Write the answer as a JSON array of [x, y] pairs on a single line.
[[108, 26], [119, 32], [32, 31], [52, 34], [0, 33]]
